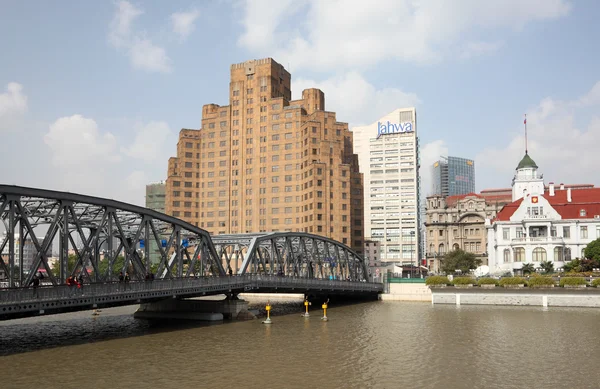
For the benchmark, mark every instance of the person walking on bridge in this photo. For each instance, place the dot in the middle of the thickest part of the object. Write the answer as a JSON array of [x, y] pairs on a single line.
[[36, 282], [70, 283]]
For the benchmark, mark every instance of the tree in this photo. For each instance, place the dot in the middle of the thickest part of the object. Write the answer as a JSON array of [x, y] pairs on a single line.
[[592, 250], [547, 266], [574, 265], [527, 268], [582, 265], [459, 260], [116, 267], [72, 260]]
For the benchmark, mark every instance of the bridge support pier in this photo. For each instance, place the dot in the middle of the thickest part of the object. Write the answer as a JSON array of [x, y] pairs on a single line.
[[196, 309]]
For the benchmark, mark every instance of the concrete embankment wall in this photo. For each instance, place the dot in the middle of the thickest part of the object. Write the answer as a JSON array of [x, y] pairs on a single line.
[[407, 292], [547, 297]]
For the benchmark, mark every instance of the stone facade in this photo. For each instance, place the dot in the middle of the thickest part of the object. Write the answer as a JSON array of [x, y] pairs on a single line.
[[459, 222]]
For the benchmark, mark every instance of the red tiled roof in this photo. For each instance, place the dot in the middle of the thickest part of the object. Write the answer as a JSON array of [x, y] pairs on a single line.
[[587, 199], [507, 211]]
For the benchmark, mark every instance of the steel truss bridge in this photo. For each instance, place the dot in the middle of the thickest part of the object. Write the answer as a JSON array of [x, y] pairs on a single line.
[[99, 238]]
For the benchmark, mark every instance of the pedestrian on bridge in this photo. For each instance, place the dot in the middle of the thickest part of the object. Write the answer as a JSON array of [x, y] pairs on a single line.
[[36, 282], [79, 283], [121, 279], [127, 279], [70, 283]]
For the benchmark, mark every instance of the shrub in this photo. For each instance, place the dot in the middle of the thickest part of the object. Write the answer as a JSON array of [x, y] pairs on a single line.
[[596, 283], [512, 281], [437, 280], [541, 281], [572, 281], [463, 281], [487, 281]]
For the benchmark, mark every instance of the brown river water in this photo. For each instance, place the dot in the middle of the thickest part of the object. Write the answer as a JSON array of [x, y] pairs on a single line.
[[368, 345]]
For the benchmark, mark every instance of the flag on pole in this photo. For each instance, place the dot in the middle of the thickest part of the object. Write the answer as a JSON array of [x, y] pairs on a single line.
[[525, 121]]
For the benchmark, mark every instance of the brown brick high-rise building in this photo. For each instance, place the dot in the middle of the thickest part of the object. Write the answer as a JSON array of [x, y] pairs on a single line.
[[268, 163]]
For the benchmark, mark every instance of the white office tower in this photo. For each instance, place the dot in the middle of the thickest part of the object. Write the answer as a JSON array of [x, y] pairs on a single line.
[[388, 155]]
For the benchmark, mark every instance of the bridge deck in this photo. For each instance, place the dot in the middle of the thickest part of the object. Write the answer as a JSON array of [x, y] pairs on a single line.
[[25, 302]]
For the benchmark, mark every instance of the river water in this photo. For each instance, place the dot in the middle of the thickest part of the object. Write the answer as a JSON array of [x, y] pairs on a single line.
[[369, 345]]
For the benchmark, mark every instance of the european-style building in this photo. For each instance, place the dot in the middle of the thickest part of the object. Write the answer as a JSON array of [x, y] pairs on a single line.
[[542, 223], [459, 222]]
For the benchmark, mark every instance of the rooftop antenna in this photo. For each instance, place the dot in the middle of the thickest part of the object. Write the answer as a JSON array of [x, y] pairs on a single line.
[[525, 123]]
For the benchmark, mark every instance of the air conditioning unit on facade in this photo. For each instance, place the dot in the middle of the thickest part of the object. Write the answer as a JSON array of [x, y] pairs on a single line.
[[596, 216]]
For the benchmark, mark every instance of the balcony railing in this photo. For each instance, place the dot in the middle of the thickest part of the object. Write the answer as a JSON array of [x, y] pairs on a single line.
[[539, 239]]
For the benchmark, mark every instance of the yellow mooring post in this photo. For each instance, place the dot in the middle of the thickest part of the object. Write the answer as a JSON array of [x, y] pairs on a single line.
[[268, 308], [306, 304], [324, 306]]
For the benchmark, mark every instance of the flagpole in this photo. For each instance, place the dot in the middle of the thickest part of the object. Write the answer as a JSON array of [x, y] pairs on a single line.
[[525, 122]]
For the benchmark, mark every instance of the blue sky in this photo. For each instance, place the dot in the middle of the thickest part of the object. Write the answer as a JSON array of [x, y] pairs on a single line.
[[93, 94]]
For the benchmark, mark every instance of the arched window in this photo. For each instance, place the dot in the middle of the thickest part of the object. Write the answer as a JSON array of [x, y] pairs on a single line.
[[455, 246], [539, 254], [506, 255], [441, 249], [567, 254], [519, 254], [559, 252], [431, 248]]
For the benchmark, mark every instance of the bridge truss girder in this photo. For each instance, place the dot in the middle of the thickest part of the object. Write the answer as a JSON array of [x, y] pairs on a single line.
[[291, 254], [96, 222]]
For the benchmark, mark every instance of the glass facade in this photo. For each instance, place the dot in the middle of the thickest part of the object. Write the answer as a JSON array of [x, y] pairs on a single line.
[[453, 176]]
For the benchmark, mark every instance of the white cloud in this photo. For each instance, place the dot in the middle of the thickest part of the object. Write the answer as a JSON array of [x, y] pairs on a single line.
[[13, 101], [354, 99], [430, 153], [183, 22], [120, 27], [343, 33], [149, 142], [261, 19], [563, 140], [76, 143], [143, 54], [147, 56]]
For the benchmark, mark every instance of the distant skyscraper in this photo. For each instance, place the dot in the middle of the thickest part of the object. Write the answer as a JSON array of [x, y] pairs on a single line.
[[453, 176]]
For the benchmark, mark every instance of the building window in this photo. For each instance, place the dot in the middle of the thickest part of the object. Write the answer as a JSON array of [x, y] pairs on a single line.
[[559, 253], [539, 255], [582, 213], [506, 233], [455, 246], [519, 232], [567, 252], [519, 254], [506, 255], [441, 249], [584, 232], [566, 232]]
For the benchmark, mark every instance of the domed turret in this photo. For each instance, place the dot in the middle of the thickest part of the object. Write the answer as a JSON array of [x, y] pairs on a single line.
[[527, 163]]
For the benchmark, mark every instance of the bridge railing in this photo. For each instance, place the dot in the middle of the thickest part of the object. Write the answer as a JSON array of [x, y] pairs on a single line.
[[179, 286], [315, 283]]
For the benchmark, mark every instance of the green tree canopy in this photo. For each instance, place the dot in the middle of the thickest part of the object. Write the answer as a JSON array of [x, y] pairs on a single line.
[[459, 260], [70, 265], [592, 250], [528, 268], [547, 266]]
